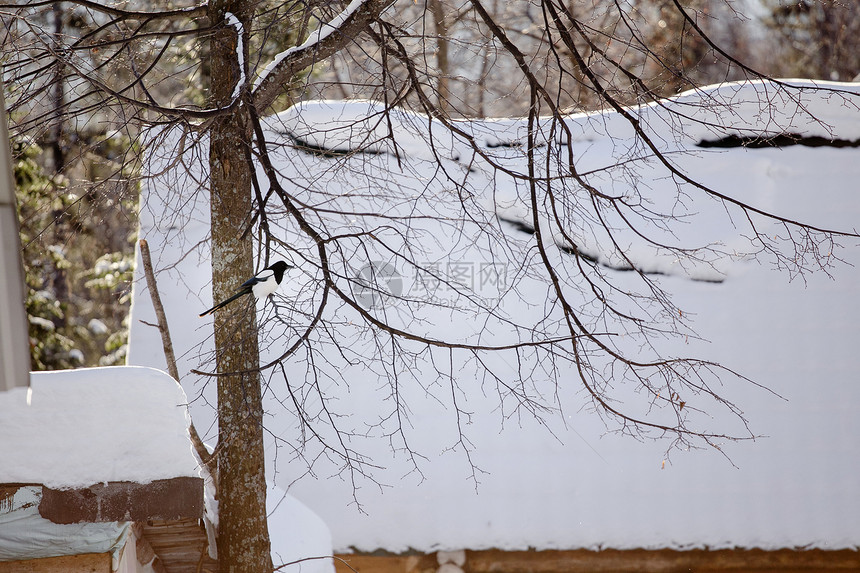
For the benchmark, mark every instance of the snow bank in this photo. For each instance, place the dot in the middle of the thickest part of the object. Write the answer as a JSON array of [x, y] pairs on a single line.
[[299, 537]]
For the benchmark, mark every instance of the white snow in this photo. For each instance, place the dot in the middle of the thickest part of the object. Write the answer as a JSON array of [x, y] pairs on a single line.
[[232, 20], [299, 537], [95, 425], [42, 323], [97, 327], [561, 482]]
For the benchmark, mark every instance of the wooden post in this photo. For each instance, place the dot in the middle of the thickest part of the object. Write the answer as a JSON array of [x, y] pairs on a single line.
[[14, 337]]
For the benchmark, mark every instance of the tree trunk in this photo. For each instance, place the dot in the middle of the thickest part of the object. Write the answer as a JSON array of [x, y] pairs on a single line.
[[57, 95], [243, 537], [442, 43]]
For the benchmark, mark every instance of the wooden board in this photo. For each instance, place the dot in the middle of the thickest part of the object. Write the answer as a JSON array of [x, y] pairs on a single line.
[[180, 545], [613, 561], [85, 563]]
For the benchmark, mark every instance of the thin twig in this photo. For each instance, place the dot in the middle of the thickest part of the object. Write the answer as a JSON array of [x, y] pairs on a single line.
[[332, 557], [207, 458]]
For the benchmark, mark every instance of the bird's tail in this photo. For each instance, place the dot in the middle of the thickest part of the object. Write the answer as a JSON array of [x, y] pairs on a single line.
[[223, 303]]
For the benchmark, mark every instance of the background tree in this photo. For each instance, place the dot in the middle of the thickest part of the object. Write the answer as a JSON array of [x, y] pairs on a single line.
[[208, 72], [77, 202], [78, 255], [818, 38]]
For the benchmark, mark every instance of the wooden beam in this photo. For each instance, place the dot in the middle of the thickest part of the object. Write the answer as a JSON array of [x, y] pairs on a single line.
[[84, 563], [142, 548], [614, 561], [362, 563], [181, 545]]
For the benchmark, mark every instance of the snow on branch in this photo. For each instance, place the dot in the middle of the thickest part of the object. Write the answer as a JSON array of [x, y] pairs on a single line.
[[330, 37], [313, 39], [232, 20]]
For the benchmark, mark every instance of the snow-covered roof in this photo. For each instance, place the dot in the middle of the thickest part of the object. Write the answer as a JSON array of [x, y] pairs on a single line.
[[95, 425], [513, 482]]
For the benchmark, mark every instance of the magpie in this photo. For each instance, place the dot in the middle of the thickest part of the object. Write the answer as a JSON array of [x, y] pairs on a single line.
[[260, 285]]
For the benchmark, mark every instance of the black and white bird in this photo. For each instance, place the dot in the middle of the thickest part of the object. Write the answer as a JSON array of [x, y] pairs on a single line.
[[260, 285]]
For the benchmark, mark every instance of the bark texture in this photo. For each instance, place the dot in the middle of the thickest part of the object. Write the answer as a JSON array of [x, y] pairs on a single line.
[[243, 537]]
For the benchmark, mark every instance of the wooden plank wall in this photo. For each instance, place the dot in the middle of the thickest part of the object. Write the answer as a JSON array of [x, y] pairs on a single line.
[[613, 561], [181, 546]]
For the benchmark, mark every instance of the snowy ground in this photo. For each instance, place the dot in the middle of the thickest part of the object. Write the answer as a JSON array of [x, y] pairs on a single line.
[[563, 482]]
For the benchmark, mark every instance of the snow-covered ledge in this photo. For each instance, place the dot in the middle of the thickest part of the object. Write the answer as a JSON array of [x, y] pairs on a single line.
[[96, 448]]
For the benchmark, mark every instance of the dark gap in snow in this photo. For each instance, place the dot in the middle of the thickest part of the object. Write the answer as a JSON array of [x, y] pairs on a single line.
[[302, 145], [320, 151], [518, 225], [574, 250], [780, 140], [513, 144], [524, 227], [496, 144]]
